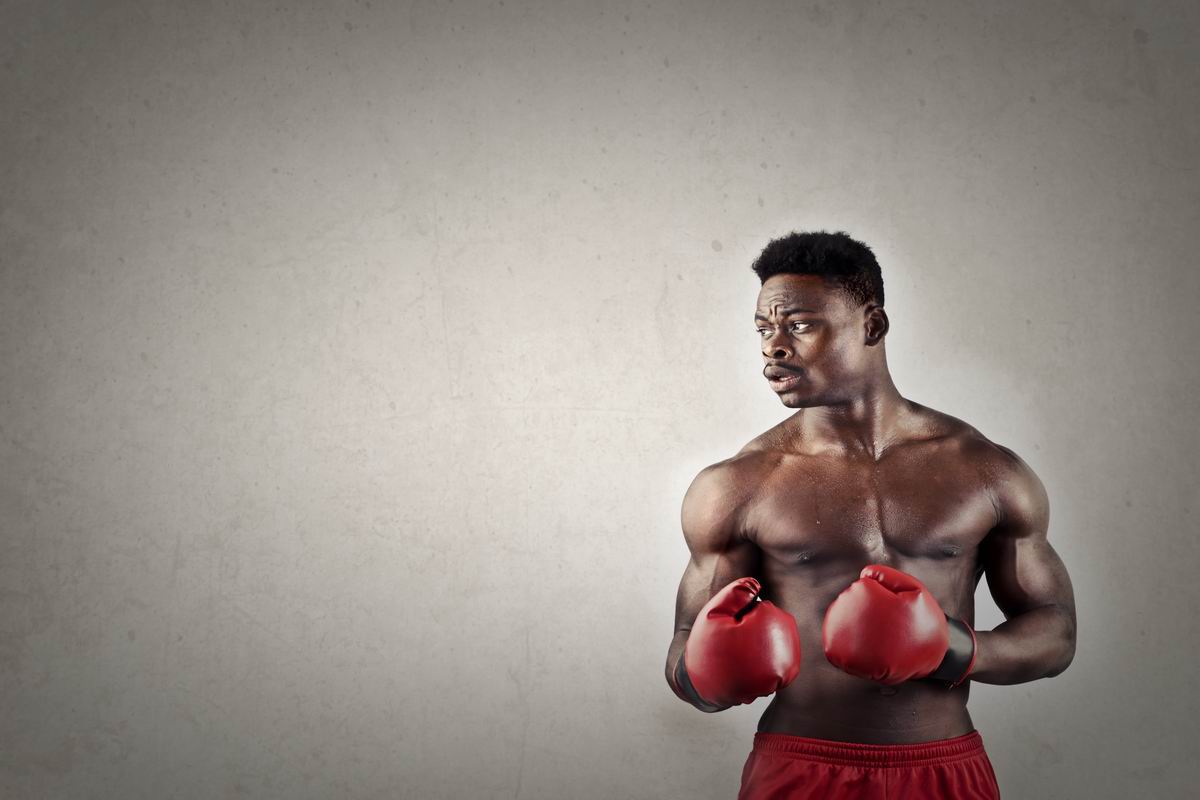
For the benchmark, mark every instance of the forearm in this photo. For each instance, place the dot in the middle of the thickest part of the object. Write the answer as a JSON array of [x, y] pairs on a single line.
[[1037, 644]]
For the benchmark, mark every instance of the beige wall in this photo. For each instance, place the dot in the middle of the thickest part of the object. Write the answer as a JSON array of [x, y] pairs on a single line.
[[355, 360]]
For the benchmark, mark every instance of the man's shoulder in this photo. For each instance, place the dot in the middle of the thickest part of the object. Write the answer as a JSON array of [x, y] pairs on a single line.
[[733, 481], [720, 493], [1010, 480], [745, 468], [963, 440]]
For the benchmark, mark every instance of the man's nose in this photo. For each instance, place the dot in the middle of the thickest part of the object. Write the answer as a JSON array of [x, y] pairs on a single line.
[[774, 347]]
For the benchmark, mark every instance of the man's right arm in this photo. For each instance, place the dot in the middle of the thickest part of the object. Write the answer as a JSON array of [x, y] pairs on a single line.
[[720, 553]]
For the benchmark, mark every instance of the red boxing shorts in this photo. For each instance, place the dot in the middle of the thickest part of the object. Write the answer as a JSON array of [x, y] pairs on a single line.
[[795, 767]]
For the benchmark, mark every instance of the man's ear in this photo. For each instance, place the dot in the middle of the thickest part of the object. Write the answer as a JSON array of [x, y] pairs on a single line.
[[876, 325]]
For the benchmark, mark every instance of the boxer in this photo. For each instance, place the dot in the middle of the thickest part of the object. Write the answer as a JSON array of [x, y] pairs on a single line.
[[834, 559]]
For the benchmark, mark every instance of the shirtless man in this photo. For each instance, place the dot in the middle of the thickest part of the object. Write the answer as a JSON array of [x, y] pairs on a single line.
[[860, 476]]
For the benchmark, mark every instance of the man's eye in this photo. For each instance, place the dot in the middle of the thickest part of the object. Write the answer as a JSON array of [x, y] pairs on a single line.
[[763, 331], [799, 327]]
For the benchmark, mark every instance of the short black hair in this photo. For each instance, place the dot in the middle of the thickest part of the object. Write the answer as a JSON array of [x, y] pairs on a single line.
[[836, 257]]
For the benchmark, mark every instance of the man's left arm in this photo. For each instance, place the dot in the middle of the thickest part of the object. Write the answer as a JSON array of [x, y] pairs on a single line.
[[1029, 583]]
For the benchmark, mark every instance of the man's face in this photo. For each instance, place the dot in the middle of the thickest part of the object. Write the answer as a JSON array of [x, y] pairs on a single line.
[[813, 341]]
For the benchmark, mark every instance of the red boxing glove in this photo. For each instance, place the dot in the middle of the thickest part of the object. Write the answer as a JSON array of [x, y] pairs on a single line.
[[741, 647], [887, 627]]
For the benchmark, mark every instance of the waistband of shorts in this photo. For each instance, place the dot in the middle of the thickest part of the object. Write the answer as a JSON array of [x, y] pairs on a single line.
[[940, 751]]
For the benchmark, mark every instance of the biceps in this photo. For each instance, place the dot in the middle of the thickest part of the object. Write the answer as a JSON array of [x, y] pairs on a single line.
[[708, 572], [1024, 573]]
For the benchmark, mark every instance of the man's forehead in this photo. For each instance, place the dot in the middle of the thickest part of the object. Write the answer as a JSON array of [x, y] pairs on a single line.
[[797, 291]]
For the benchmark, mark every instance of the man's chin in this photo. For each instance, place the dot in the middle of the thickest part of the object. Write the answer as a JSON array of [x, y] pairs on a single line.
[[799, 400]]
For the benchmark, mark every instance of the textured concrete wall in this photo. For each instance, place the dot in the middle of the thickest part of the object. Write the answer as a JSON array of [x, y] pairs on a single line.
[[355, 359]]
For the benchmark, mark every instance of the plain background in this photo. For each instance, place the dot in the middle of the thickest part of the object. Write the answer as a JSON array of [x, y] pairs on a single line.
[[356, 357]]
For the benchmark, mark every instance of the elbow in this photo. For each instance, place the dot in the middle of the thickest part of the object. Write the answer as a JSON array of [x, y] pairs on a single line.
[[1060, 667], [1065, 657]]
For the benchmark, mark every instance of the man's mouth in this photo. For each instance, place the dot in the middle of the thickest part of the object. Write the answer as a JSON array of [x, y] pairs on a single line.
[[783, 382]]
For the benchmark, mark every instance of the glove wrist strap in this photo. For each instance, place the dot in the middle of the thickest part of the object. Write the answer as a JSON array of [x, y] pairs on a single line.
[[685, 685], [960, 655]]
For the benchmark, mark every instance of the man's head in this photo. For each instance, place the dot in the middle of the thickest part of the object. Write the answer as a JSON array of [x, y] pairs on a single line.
[[820, 316]]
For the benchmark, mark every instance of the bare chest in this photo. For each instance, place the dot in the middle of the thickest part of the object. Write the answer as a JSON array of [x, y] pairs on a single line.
[[814, 511]]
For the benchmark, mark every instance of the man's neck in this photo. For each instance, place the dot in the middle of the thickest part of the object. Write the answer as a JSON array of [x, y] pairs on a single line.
[[867, 425]]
